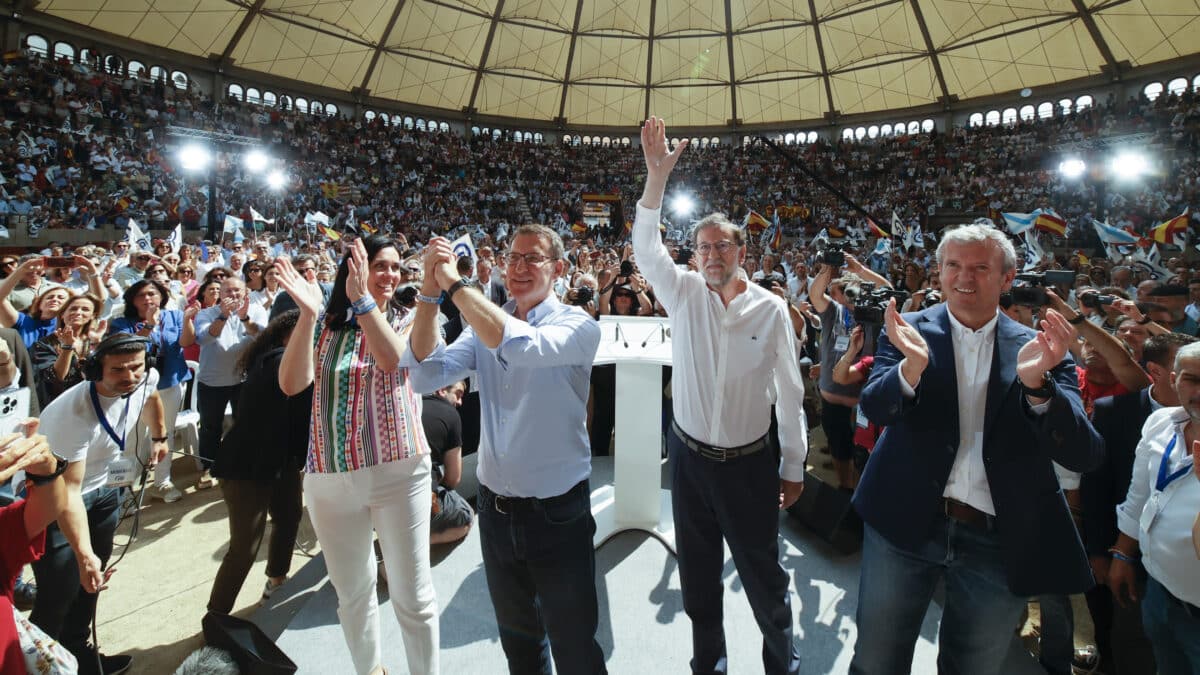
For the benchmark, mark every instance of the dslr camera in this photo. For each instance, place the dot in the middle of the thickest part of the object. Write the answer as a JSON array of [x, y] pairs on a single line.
[[583, 295], [1096, 300], [833, 254], [1032, 293], [870, 302], [932, 297]]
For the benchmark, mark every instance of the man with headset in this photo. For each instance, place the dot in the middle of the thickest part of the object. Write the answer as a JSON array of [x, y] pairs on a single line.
[[89, 425]]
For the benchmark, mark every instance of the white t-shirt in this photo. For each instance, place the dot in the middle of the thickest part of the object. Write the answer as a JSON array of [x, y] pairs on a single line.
[[73, 430]]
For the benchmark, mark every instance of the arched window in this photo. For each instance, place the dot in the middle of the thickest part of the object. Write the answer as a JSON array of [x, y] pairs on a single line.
[[89, 57], [914, 127], [928, 125], [779, 138], [873, 131], [746, 140], [269, 99], [1028, 113], [992, 118], [285, 102], [37, 44], [444, 126], [674, 142], [64, 50], [136, 68], [537, 138], [496, 134], [370, 115], [898, 129], [885, 130], [420, 124], [1066, 104], [625, 141], [587, 140], [860, 133], [316, 108], [1196, 83], [575, 141], [302, 105], [179, 79], [408, 123], [1045, 110], [1153, 90], [253, 96], [789, 139], [847, 134], [114, 64], [1084, 101], [386, 119], [235, 90], [694, 141], [1009, 116], [567, 139], [474, 131], [975, 120], [812, 137], [1176, 86], [704, 142], [158, 73], [332, 110]]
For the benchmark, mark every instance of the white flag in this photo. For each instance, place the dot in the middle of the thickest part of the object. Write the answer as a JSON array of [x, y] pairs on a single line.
[[3, 232], [463, 247], [260, 218], [316, 219], [137, 239], [175, 238], [1033, 250], [232, 224]]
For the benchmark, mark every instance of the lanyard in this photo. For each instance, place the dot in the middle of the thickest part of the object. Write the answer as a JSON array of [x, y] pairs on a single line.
[[119, 440], [1165, 479]]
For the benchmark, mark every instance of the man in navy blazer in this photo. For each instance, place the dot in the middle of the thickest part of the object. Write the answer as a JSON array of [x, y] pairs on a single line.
[[960, 487]]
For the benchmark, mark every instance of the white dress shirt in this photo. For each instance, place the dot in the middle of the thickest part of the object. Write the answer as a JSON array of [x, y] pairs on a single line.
[[726, 358], [1161, 521]]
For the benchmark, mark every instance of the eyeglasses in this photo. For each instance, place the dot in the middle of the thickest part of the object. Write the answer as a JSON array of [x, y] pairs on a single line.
[[220, 275], [306, 270], [721, 247], [530, 259]]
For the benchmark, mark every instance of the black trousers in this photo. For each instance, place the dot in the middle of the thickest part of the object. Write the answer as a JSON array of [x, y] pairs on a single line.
[[211, 402]]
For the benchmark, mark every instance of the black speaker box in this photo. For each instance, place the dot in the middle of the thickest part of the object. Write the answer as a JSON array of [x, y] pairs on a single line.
[[827, 511]]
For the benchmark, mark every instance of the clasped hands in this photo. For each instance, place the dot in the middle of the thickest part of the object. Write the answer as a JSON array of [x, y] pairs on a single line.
[[440, 266]]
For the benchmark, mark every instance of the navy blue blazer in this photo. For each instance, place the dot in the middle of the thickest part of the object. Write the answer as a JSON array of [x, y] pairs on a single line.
[[900, 493], [1118, 420]]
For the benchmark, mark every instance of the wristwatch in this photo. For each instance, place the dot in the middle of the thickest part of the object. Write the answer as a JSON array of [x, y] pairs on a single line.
[[59, 469], [1044, 391], [456, 287], [1145, 320]]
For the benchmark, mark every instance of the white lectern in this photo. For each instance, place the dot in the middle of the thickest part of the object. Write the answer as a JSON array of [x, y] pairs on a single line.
[[640, 347]]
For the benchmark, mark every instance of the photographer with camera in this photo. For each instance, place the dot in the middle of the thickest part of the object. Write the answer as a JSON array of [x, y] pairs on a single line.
[[836, 311]]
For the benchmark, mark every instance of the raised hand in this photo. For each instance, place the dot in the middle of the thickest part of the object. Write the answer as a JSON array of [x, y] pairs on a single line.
[[660, 159], [67, 337], [356, 281], [436, 253], [307, 294], [910, 343], [97, 331], [229, 306], [1046, 350]]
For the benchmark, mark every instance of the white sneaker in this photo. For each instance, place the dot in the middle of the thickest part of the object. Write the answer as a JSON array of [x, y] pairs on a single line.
[[166, 492], [270, 589]]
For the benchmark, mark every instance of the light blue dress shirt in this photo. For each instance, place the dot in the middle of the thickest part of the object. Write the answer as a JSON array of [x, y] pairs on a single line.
[[533, 392]]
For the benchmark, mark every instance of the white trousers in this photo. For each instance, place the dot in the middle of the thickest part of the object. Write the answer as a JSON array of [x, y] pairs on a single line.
[[391, 499]]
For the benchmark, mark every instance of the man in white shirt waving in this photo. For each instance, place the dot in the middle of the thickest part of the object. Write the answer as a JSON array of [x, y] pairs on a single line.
[[732, 340]]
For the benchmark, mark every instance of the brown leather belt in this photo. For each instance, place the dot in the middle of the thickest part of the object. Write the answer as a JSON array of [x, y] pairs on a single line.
[[968, 515], [714, 453]]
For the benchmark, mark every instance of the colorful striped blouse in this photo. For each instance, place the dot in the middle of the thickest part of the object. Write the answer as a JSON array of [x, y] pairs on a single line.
[[361, 415]]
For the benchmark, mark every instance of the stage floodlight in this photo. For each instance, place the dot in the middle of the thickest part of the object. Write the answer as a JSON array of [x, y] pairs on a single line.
[[683, 205], [276, 180], [1129, 166], [194, 157], [1072, 168], [256, 161]]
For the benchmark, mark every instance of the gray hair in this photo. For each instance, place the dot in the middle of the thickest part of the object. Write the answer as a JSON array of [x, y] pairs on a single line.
[[979, 234], [555, 242], [719, 220], [1188, 351]]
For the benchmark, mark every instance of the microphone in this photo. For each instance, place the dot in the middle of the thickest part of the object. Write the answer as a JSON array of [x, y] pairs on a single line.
[[658, 328], [621, 335]]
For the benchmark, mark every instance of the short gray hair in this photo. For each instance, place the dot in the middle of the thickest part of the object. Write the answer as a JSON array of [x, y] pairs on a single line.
[[1188, 351], [555, 242], [721, 221], [979, 234]]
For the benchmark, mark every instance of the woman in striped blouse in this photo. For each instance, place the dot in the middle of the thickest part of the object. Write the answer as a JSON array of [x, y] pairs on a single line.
[[368, 461]]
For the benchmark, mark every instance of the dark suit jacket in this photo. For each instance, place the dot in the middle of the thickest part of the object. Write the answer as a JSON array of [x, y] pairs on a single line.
[[900, 494], [1119, 420]]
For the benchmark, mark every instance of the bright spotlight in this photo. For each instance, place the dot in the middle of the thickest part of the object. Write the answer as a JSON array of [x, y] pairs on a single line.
[[1072, 168], [1129, 165], [194, 157], [276, 180], [256, 161], [682, 205]]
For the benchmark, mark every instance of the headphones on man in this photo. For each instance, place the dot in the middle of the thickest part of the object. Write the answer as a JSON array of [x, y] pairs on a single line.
[[93, 366]]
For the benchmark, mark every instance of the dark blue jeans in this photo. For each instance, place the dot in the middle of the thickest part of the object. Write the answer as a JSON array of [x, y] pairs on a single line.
[[541, 574], [211, 402], [1173, 631], [63, 609], [737, 501], [895, 589]]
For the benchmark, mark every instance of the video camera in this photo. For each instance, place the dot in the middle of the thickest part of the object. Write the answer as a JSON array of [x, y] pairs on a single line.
[[1096, 300], [871, 302], [1033, 293], [932, 297], [833, 254]]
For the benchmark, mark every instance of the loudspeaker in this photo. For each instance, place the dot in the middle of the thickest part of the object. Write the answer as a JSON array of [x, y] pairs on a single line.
[[255, 653], [827, 511], [92, 367]]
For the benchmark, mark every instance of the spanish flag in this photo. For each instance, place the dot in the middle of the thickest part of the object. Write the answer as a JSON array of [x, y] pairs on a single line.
[[1165, 233], [330, 189], [877, 230], [1083, 259], [579, 227], [1049, 221], [331, 233], [754, 222], [366, 227], [835, 233]]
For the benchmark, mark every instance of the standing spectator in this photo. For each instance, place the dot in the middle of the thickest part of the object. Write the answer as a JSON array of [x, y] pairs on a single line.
[[58, 357], [368, 463], [261, 466], [30, 281]]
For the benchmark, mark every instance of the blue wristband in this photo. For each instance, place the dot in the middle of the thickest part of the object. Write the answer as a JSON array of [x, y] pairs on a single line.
[[430, 299], [363, 306], [1121, 556]]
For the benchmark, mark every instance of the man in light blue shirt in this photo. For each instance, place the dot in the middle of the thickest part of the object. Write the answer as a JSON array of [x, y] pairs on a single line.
[[532, 360]]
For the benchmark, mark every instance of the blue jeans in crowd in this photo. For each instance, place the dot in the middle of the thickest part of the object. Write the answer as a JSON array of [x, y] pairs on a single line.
[[897, 585], [1058, 634], [541, 575], [63, 609], [1173, 629], [737, 502]]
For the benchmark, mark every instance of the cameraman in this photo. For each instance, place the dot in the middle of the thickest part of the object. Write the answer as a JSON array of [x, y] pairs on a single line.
[[838, 401], [583, 294]]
